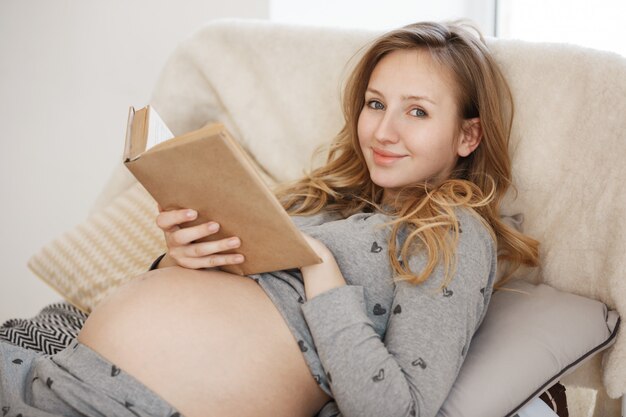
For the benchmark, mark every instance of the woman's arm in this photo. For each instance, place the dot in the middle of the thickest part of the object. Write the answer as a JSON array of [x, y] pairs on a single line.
[[319, 278], [411, 370]]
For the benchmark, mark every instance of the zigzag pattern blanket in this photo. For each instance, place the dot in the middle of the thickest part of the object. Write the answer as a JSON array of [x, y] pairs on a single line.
[[49, 332]]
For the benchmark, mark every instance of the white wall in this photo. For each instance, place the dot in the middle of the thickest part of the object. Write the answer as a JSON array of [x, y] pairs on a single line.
[[69, 69]]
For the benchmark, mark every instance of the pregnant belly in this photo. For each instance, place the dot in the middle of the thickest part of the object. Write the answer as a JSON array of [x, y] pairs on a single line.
[[208, 342]]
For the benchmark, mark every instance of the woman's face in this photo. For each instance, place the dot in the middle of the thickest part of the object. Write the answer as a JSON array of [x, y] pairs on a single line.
[[409, 128]]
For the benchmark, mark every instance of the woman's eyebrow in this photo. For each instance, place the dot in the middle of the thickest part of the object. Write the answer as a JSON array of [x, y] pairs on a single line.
[[404, 97], [416, 97]]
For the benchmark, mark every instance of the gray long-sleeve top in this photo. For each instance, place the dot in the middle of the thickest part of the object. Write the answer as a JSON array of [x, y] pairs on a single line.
[[379, 347]]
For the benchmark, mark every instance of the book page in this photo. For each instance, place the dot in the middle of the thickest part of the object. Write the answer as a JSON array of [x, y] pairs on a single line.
[[157, 129]]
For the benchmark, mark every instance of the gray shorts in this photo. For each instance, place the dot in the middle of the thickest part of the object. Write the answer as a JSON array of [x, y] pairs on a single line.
[[74, 382]]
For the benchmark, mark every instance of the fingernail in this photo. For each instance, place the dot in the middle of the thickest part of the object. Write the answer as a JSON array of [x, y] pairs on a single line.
[[213, 227], [238, 258], [233, 242], [190, 214]]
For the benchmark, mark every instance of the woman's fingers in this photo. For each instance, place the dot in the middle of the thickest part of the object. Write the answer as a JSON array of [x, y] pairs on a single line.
[[182, 245], [204, 249], [168, 220], [211, 261], [206, 254], [187, 235]]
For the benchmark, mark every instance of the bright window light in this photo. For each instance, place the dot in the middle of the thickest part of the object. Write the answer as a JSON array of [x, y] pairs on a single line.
[[381, 15], [596, 24]]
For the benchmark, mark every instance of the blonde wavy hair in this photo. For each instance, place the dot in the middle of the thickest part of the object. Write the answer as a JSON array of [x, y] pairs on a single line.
[[478, 181]]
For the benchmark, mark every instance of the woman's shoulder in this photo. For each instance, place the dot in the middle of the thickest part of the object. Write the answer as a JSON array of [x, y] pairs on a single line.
[[474, 231], [472, 220]]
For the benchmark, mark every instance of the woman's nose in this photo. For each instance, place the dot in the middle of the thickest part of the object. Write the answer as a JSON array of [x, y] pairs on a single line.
[[386, 129]]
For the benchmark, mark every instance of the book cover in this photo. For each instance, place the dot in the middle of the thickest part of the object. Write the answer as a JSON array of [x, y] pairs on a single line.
[[208, 171]]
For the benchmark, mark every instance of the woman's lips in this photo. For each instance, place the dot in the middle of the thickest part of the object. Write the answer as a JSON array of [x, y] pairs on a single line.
[[384, 157]]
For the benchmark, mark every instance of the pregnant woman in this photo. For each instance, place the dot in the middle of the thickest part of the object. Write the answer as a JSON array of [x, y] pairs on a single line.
[[405, 217]]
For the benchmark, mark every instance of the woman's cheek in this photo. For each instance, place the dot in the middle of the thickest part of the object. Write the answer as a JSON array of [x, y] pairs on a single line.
[[362, 128]]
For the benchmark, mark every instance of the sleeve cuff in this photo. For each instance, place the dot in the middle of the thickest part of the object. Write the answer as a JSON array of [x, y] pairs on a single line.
[[343, 305]]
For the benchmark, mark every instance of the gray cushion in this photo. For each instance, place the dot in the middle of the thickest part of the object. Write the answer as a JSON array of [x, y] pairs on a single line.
[[531, 336]]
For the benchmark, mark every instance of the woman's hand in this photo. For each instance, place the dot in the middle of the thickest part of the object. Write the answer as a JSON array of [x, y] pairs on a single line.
[[319, 278], [181, 249]]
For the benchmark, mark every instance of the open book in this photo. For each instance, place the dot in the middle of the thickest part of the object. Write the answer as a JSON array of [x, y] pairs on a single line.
[[208, 171]]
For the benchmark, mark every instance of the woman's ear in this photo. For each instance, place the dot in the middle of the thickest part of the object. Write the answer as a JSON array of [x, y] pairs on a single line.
[[471, 134]]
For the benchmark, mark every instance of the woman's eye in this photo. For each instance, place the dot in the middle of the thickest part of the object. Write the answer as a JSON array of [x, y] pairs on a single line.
[[376, 105], [418, 113]]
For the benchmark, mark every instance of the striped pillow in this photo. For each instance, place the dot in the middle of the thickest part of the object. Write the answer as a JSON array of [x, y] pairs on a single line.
[[108, 248]]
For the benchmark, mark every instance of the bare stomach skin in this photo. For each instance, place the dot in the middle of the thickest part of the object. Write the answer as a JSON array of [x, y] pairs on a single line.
[[210, 343]]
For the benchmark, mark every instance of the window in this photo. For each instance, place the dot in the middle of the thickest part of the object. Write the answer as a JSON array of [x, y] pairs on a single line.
[[598, 24], [381, 15]]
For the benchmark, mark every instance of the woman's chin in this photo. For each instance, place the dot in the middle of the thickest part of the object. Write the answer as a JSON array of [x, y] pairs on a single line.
[[387, 184]]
